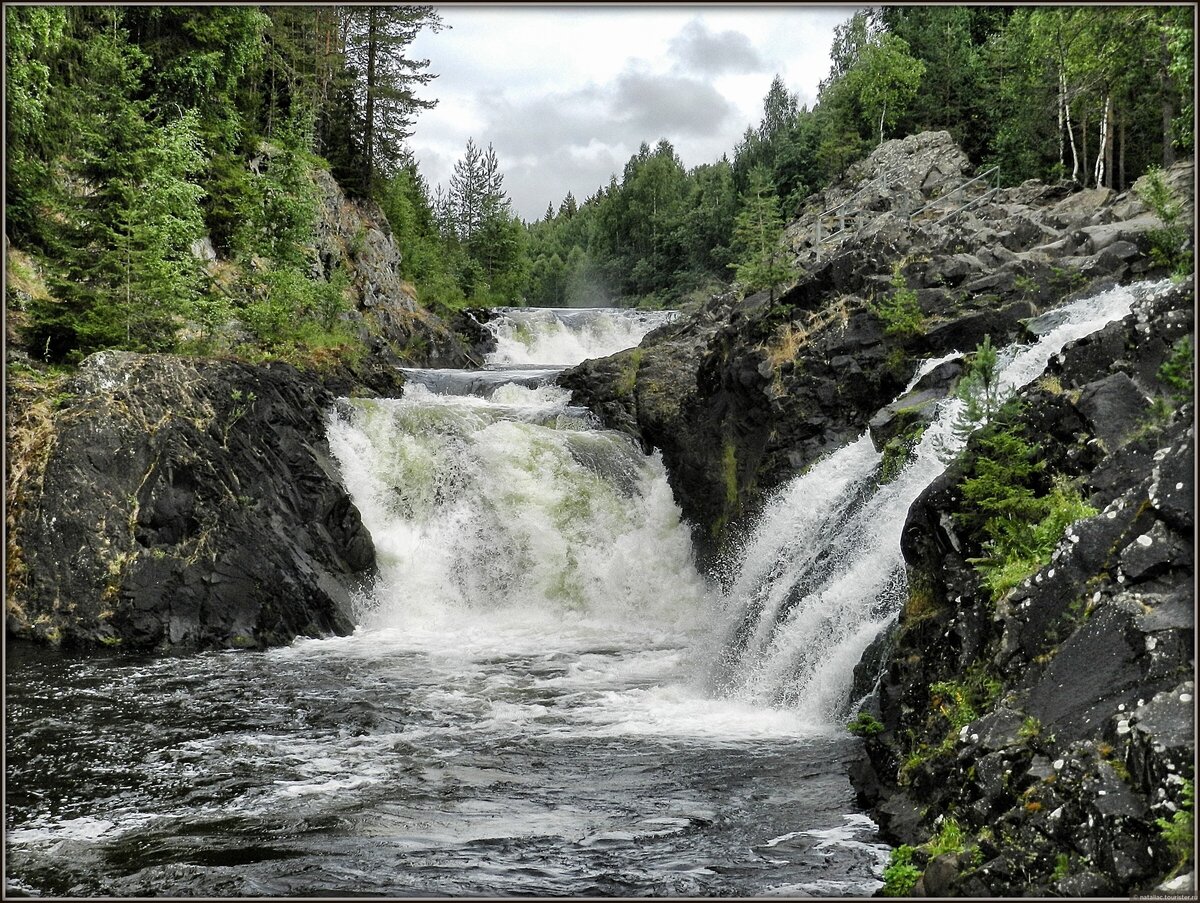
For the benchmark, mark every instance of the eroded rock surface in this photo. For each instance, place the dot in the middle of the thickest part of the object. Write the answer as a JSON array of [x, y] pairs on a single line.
[[184, 503], [742, 395], [1080, 679]]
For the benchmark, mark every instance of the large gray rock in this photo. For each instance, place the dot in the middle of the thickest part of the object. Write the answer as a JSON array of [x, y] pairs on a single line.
[[185, 503]]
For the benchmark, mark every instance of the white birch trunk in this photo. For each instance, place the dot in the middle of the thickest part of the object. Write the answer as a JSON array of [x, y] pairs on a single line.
[[1099, 171], [1074, 151]]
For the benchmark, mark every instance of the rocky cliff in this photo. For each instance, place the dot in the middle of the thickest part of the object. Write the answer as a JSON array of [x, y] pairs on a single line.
[[158, 501], [742, 395], [1053, 723]]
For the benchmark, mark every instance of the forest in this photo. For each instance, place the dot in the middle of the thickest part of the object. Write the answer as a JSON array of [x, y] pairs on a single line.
[[135, 133]]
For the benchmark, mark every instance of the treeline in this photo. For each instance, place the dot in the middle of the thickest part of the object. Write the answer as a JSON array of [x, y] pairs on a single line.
[[134, 132], [1093, 94]]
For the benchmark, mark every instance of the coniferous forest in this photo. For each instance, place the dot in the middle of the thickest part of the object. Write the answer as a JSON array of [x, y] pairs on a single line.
[[136, 132]]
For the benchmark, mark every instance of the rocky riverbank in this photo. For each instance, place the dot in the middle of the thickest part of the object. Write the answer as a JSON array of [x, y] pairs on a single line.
[[1050, 727], [156, 501], [160, 501], [742, 395]]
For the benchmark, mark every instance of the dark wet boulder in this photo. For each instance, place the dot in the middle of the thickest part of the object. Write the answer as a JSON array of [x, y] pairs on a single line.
[[184, 503], [1073, 688]]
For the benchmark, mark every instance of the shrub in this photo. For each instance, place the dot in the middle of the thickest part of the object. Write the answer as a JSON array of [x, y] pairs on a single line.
[[949, 838], [865, 725], [1018, 528], [901, 875], [899, 311], [1179, 830], [1176, 371], [1168, 244]]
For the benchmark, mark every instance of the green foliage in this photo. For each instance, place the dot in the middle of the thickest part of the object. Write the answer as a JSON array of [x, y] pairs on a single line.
[[899, 311], [1062, 867], [1018, 524], [1178, 370], [900, 875], [762, 261], [1030, 728], [954, 701], [1179, 830], [885, 79], [978, 390], [865, 725], [1168, 245], [898, 451], [948, 839]]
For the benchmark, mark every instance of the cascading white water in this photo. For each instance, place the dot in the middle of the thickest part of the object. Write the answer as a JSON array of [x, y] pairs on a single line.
[[567, 336], [511, 502], [525, 710], [822, 573]]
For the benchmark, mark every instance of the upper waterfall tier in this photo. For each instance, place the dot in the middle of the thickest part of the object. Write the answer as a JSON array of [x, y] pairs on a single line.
[[568, 336]]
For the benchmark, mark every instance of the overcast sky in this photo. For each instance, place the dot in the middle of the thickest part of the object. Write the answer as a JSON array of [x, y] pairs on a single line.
[[567, 94]]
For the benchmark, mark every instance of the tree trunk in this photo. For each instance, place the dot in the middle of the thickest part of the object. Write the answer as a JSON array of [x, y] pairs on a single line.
[[1074, 150], [1121, 156], [369, 109], [1109, 132], [1168, 108], [1104, 145], [1083, 146], [1062, 107]]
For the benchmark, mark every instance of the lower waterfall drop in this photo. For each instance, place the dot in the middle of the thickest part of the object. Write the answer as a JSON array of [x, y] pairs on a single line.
[[822, 574]]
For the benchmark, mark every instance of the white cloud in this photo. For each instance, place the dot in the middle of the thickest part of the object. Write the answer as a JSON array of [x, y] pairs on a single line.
[[566, 94]]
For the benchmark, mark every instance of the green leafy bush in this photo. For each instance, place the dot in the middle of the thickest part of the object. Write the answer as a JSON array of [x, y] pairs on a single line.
[[901, 875], [1168, 244], [899, 311], [865, 725], [1179, 830], [1018, 523], [949, 838], [1178, 369]]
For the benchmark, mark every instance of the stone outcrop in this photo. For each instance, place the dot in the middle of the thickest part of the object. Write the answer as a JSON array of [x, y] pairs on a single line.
[[1053, 725], [1080, 732], [742, 395], [354, 235], [183, 503]]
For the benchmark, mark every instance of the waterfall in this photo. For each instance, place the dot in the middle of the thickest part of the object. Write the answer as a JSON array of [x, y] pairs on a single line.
[[491, 499], [567, 336], [821, 572], [493, 502]]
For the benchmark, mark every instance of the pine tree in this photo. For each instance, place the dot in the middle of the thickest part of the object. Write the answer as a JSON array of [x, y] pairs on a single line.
[[758, 238], [376, 43]]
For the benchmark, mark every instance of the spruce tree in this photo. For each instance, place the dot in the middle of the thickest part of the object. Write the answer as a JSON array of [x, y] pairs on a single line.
[[762, 260]]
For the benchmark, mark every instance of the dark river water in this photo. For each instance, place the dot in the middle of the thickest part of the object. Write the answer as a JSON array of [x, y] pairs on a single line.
[[387, 766], [542, 697]]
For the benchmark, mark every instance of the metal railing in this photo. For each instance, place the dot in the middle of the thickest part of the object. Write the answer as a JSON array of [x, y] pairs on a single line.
[[841, 211], [844, 214], [939, 200]]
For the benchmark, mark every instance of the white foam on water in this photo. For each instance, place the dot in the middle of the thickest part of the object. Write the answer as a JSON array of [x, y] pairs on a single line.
[[542, 335]]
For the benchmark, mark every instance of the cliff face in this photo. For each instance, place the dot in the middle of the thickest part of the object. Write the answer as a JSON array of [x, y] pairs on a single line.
[[1042, 737], [1054, 724], [158, 501], [174, 502], [395, 328]]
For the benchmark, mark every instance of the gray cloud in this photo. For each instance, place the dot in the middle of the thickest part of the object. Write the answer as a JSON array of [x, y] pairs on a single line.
[[549, 143], [665, 105], [700, 50]]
